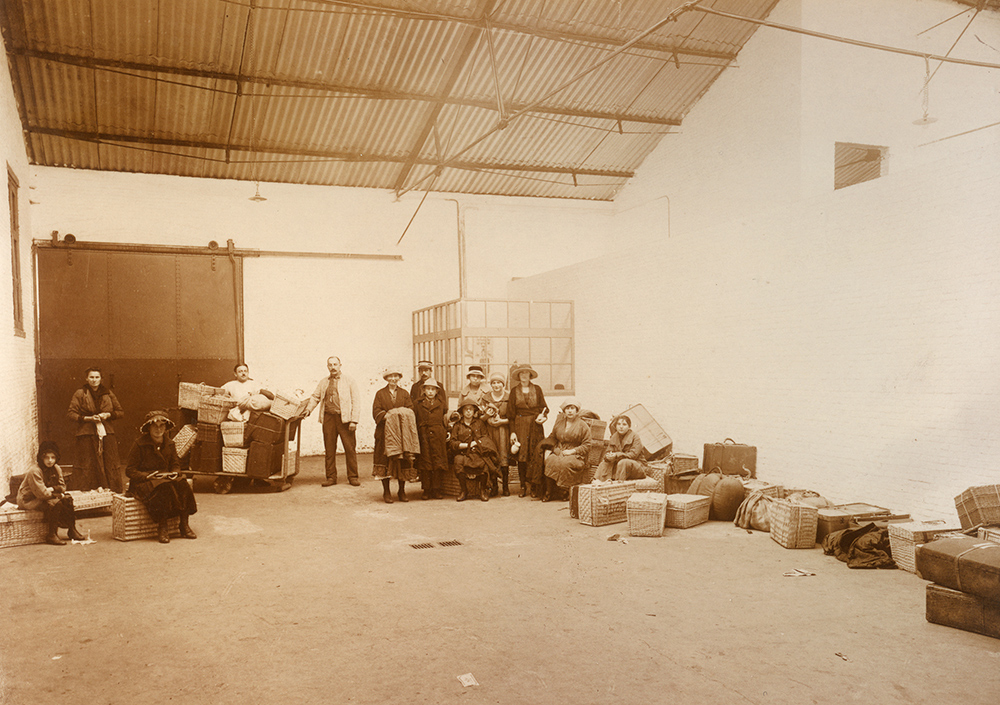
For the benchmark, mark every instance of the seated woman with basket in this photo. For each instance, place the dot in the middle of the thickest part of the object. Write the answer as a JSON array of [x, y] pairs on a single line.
[[475, 456], [153, 470], [623, 453], [566, 464], [44, 489]]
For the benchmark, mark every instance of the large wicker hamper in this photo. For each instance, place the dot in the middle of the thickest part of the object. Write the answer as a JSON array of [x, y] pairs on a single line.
[[130, 520]]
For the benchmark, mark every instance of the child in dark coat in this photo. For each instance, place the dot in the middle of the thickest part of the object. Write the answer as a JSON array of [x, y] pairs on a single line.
[[430, 409]]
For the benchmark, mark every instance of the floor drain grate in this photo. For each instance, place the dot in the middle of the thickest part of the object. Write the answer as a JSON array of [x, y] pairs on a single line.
[[421, 545], [450, 543]]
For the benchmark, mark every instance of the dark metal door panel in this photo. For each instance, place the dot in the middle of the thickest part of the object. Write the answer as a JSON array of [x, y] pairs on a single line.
[[147, 320], [73, 298]]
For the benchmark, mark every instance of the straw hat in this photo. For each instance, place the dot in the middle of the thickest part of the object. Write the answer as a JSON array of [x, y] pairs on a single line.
[[392, 370], [516, 372], [152, 416]]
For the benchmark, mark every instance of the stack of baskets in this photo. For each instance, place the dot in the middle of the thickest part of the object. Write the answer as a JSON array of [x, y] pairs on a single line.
[[603, 504], [288, 406]]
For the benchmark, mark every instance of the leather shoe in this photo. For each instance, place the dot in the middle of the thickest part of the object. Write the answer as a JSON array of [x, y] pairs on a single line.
[[163, 534], [354, 482], [188, 533], [329, 482], [54, 540]]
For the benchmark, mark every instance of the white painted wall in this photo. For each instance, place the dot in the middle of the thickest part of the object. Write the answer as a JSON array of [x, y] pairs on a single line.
[[19, 414], [299, 311], [851, 336]]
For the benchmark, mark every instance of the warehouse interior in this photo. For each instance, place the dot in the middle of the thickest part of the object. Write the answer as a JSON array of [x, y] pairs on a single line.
[[775, 222]]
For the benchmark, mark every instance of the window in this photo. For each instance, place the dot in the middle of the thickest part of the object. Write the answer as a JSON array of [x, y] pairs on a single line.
[[857, 163], [15, 252]]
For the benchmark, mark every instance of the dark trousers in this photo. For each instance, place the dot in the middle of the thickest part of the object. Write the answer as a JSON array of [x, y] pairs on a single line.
[[335, 427]]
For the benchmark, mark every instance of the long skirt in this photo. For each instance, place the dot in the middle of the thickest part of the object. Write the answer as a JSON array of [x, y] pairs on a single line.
[[169, 499], [97, 464], [566, 470], [500, 435], [530, 436]]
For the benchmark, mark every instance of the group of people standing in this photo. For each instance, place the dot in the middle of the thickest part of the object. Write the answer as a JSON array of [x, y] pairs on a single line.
[[493, 429]]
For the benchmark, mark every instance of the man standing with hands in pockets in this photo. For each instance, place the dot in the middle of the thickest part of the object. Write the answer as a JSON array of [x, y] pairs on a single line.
[[339, 409]]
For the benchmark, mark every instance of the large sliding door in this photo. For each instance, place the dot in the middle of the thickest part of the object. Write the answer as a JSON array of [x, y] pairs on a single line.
[[149, 320]]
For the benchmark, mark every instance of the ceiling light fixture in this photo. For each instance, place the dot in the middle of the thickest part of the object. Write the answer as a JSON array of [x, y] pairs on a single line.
[[926, 119]]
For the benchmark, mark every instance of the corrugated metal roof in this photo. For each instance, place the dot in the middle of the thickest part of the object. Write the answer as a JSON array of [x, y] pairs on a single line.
[[379, 94]]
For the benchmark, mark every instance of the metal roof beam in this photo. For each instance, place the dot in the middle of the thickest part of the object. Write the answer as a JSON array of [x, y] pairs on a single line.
[[357, 157], [374, 93], [527, 30]]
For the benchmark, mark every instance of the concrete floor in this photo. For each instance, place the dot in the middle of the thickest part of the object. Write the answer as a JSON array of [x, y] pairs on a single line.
[[315, 595]]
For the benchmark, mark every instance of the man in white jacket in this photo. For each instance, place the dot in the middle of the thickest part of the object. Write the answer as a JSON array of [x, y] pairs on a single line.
[[339, 408]]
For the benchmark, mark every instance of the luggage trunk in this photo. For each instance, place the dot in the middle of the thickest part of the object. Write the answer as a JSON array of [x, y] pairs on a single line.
[[264, 459], [731, 458], [969, 565], [655, 440], [952, 608]]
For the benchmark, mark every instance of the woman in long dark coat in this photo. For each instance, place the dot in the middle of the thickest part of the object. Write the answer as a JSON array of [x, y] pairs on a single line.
[[153, 470], [93, 408], [402, 469], [431, 409], [494, 405], [526, 412]]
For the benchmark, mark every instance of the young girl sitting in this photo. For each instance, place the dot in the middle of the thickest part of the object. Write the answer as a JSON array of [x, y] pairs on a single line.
[[44, 488]]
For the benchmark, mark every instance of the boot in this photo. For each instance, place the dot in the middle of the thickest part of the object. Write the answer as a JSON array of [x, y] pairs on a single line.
[[464, 494], [505, 491], [522, 482], [186, 531], [53, 535], [163, 533], [402, 492], [494, 486], [550, 490], [75, 535], [537, 489], [484, 489], [386, 492]]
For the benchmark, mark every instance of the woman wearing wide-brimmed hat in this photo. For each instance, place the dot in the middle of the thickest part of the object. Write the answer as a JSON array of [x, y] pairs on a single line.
[[153, 470], [393, 460], [526, 412]]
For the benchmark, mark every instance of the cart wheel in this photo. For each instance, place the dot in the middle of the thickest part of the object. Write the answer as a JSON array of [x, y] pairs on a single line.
[[282, 486], [223, 485]]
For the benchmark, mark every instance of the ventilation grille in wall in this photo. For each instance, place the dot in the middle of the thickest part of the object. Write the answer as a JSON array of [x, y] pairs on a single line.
[[857, 163]]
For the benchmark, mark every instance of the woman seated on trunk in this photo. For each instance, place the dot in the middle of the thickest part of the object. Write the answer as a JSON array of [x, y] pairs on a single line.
[[622, 455], [475, 455], [153, 470], [44, 489]]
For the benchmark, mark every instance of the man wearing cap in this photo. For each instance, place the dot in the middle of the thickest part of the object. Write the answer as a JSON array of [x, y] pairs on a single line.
[[426, 368], [339, 411]]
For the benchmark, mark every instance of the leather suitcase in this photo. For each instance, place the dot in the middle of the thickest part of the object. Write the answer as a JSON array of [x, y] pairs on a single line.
[[264, 459], [952, 608], [964, 564], [731, 458], [265, 427], [206, 457]]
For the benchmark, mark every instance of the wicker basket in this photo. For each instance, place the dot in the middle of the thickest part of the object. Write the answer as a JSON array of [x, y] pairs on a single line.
[[234, 461], [989, 533], [130, 520], [649, 484], [92, 499], [793, 525], [687, 510], [681, 462], [658, 469], [189, 395], [288, 407], [597, 442], [233, 433], [979, 505], [20, 528], [765, 488], [904, 538], [647, 513], [208, 433], [184, 439], [215, 410], [604, 504]]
